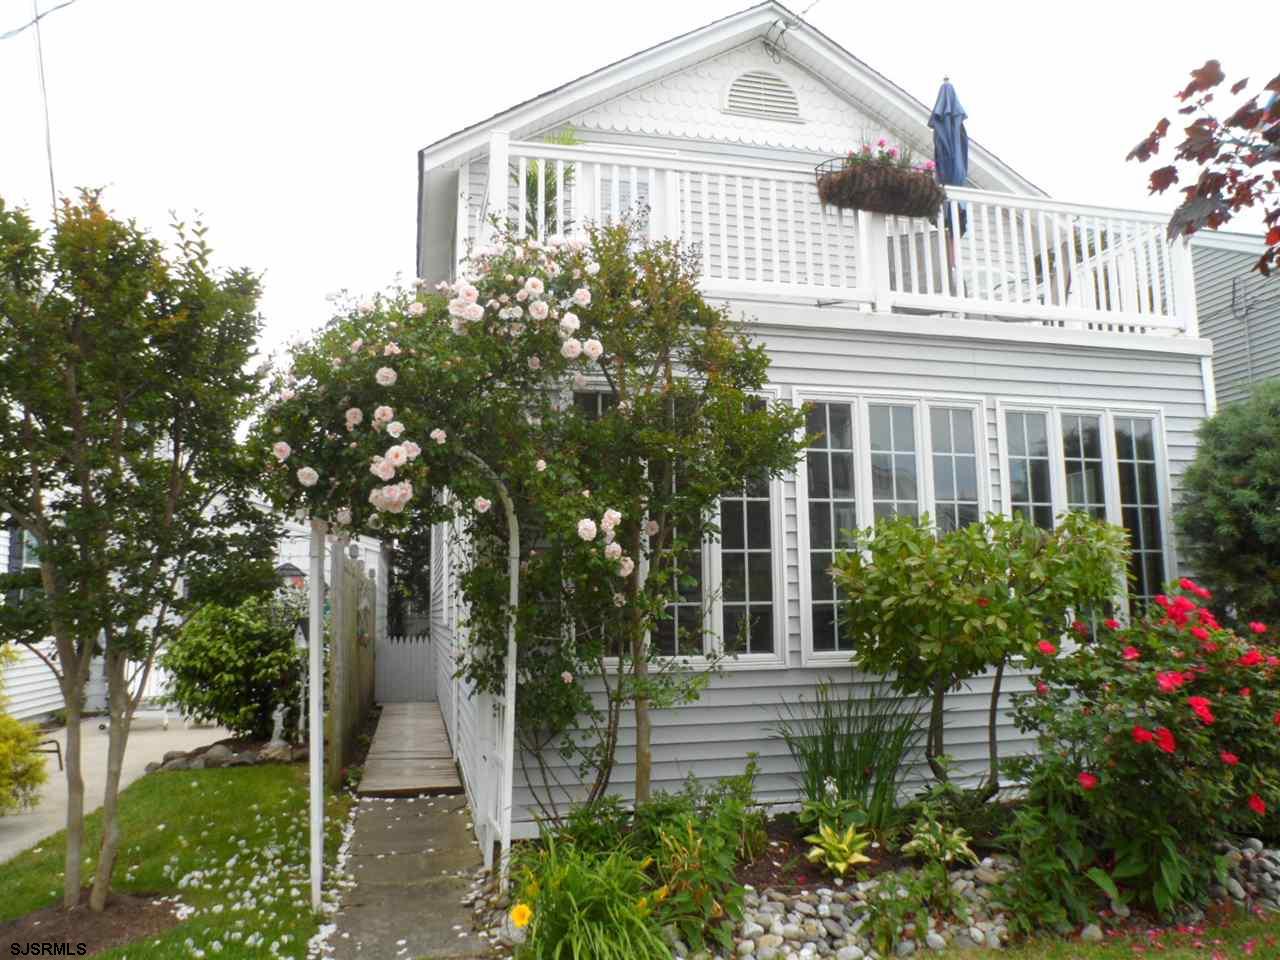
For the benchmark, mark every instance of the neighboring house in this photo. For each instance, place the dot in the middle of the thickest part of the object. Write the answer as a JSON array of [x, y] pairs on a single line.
[[1239, 311], [1058, 366], [29, 685]]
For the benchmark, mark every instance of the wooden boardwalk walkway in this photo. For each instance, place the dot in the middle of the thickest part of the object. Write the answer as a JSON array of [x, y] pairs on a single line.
[[410, 754]]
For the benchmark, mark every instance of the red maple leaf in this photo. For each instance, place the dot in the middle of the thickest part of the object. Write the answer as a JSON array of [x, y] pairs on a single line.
[[1163, 179], [1207, 77]]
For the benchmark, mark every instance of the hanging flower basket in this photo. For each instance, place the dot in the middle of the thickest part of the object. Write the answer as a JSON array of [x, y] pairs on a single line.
[[878, 187]]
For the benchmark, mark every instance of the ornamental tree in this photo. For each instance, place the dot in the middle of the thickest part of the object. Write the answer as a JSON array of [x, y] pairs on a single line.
[[1230, 509], [1238, 158], [936, 610], [126, 376], [1156, 741], [405, 408]]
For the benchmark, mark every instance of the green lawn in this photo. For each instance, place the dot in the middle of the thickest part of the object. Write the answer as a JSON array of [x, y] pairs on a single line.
[[230, 844], [1242, 937]]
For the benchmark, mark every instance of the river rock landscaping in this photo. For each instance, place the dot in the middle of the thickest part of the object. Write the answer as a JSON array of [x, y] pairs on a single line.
[[833, 920]]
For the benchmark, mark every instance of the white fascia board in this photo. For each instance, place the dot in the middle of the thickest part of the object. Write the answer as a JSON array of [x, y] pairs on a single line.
[[763, 315]]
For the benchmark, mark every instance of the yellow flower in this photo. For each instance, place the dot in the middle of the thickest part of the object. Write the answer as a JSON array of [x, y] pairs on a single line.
[[642, 903], [646, 863], [521, 914], [663, 892]]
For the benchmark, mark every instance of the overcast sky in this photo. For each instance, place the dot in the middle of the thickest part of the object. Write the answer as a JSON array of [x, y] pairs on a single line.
[[293, 126]]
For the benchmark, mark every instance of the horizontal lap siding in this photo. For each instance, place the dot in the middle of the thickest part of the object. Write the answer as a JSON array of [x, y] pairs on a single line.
[[736, 714], [1239, 311], [29, 686]]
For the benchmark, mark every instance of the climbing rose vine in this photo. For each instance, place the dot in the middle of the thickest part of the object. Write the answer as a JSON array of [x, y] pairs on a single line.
[[614, 404]]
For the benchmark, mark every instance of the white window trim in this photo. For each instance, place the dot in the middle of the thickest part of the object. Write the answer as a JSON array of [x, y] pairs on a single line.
[[1054, 411], [861, 400]]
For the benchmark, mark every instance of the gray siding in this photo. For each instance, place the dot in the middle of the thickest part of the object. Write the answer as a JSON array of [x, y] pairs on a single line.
[[1240, 312], [27, 685], [736, 715]]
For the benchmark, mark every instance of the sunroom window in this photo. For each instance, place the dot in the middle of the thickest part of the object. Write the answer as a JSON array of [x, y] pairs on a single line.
[[829, 465], [1030, 491], [1140, 504], [894, 469], [1082, 457], [955, 468], [746, 569]]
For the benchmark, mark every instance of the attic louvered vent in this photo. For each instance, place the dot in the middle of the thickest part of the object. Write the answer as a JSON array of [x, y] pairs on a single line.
[[765, 95]]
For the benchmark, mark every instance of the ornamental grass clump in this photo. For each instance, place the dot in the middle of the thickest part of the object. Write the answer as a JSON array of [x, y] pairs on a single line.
[[1157, 740]]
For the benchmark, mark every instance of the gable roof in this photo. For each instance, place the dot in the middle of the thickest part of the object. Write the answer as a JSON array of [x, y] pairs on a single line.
[[794, 37]]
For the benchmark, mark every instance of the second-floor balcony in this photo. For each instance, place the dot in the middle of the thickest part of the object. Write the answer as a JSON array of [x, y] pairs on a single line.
[[759, 231]]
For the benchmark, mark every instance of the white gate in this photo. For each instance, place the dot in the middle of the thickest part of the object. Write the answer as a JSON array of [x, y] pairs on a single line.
[[403, 670]]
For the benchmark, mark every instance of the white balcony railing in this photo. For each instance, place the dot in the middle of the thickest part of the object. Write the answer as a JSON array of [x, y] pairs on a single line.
[[760, 232]]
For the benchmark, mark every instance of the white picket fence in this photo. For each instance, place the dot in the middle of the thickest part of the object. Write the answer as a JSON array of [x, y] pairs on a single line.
[[404, 671]]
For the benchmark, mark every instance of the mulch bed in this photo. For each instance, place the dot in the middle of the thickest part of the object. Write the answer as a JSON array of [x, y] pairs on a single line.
[[126, 919], [783, 865]]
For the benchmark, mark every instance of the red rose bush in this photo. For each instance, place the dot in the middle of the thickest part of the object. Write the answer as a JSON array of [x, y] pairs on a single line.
[[1157, 741]]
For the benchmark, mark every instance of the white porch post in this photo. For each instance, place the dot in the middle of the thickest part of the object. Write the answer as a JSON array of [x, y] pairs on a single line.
[[496, 202], [315, 723], [874, 252], [1184, 298], [1184, 287]]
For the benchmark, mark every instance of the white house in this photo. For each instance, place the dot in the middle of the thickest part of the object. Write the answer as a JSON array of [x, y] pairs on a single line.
[[1060, 366]]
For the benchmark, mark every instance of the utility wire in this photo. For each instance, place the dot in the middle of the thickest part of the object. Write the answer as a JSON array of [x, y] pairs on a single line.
[[44, 98], [35, 20]]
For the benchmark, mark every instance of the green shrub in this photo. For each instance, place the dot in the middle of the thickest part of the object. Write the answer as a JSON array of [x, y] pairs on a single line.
[[729, 804], [935, 610], [581, 904], [21, 767], [1230, 508], [860, 740], [234, 665], [1156, 741]]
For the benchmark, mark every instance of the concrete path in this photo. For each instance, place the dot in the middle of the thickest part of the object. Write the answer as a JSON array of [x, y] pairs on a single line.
[[410, 754], [413, 860], [148, 741]]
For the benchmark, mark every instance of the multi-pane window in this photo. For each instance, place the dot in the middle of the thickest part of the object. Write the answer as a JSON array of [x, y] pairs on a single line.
[[1140, 503], [1082, 457], [829, 466], [593, 403], [894, 473], [746, 569], [1027, 443], [955, 467], [682, 632]]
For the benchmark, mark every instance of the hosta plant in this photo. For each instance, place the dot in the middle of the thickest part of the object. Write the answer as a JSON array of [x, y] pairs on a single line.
[[1157, 739], [839, 850]]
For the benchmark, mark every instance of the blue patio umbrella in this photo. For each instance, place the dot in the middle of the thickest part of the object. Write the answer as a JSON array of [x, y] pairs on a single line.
[[950, 142]]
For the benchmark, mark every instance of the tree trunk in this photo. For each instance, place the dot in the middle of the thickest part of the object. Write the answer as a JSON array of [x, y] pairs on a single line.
[[118, 738], [934, 741], [992, 786], [75, 795]]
